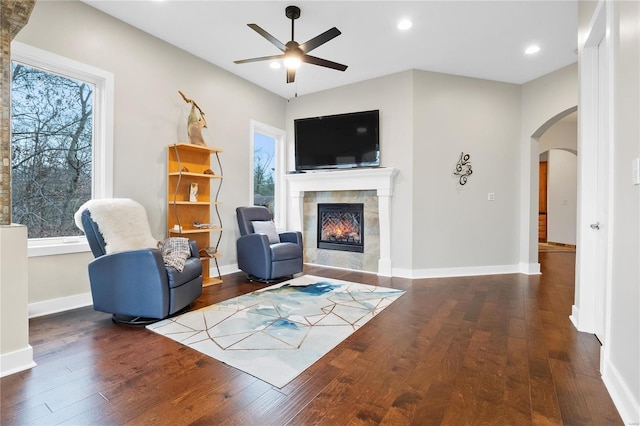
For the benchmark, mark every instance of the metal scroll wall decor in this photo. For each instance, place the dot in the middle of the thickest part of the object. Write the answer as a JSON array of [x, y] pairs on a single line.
[[463, 168]]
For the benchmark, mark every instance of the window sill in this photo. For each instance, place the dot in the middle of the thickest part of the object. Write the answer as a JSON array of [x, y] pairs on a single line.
[[38, 247]]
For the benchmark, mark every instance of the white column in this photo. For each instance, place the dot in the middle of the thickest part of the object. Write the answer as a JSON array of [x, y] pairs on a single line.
[[297, 211], [15, 352], [384, 212]]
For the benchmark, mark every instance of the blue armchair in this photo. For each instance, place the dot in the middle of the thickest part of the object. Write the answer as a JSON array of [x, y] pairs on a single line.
[[134, 285], [263, 254]]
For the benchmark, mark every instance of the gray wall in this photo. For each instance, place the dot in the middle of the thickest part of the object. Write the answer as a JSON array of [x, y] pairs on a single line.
[[625, 287], [562, 135], [545, 100], [455, 226], [149, 116], [562, 197], [427, 119], [560, 143]]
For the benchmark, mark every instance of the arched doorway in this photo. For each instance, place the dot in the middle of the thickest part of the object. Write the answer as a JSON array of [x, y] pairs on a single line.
[[534, 174], [558, 191]]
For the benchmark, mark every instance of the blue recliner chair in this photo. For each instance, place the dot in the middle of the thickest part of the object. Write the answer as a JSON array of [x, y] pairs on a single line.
[[135, 285], [263, 254]]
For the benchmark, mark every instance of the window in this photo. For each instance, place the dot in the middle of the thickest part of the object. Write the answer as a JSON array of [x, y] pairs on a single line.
[[51, 147], [266, 174], [62, 120], [264, 169]]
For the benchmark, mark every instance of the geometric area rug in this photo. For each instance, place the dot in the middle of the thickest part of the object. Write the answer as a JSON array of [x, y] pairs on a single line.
[[277, 332]]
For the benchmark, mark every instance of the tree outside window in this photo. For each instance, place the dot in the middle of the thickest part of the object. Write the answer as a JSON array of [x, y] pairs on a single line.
[[51, 140], [264, 171]]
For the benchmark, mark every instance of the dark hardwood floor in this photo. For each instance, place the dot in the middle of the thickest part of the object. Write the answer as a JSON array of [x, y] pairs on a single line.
[[491, 350]]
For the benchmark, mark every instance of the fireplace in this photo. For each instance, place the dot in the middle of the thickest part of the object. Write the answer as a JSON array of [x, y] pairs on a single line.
[[341, 227], [308, 189]]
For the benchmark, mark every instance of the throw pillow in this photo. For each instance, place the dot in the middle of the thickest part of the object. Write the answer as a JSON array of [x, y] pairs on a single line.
[[175, 252], [267, 228]]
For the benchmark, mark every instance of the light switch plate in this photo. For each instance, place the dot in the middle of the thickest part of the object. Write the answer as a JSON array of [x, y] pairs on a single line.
[[635, 171]]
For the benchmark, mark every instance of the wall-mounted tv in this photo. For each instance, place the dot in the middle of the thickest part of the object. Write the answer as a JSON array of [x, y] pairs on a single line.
[[337, 141]]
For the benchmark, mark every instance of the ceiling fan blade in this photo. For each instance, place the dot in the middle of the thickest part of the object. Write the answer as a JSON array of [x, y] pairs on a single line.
[[262, 58], [277, 43], [323, 63], [291, 75], [319, 40]]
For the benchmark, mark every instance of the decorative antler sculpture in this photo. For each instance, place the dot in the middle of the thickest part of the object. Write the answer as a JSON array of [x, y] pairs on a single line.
[[195, 123]]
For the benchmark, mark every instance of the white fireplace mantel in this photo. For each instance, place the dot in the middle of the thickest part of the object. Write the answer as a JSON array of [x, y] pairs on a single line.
[[379, 179]]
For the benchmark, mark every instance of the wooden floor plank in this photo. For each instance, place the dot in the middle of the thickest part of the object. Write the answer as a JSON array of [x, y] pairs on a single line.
[[601, 411], [296, 401], [496, 350], [77, 413]]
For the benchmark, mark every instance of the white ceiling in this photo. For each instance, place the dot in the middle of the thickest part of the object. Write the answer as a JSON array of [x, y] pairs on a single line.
[[482, 39]]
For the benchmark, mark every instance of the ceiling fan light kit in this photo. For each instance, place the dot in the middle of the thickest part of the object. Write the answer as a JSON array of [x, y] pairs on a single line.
[[293, 53]]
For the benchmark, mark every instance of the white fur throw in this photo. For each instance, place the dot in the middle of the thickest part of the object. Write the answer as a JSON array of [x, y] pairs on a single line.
[[122, 222]]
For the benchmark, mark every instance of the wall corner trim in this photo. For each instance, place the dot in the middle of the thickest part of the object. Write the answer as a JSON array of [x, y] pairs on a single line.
[[16, 361]]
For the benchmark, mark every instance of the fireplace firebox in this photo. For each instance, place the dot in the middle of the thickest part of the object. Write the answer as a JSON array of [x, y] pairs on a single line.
[[341, 226]]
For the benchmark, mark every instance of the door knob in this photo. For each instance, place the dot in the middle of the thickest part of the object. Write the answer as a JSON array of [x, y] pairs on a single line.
[[595, 226]]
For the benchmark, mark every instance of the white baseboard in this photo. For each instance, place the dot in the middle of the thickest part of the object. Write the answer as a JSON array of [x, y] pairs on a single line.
[[407, 273], [402, 273], [533, 269], [530, 268], [384, 268], [340, 268], [53, 306], [456, 272], [17, 361], [224, 270], [620, 393], [47, 307], [575, 316]]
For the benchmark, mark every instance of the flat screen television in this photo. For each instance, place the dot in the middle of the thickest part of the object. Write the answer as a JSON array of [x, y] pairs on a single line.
[[337, 141]]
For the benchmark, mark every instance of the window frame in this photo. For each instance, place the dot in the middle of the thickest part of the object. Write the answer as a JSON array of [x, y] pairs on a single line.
[[279, 135], [102, 144]]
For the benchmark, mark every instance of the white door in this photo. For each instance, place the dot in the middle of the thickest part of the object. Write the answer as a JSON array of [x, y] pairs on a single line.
[[593, 258], [601, 223]]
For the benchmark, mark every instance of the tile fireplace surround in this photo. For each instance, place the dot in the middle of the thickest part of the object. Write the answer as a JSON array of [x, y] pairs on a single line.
[[379, 179]]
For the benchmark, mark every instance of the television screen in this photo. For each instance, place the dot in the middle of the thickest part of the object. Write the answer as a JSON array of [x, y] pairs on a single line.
[[337, 141]]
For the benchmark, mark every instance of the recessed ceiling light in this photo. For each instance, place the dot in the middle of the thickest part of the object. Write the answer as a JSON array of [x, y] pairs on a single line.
[[534, 48], [404, 24], [275, 65]]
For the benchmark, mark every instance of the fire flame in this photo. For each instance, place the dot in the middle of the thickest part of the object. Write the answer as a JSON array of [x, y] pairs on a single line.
[[340, 232]]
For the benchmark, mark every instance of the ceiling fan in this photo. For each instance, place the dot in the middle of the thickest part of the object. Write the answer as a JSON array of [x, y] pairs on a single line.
[[294, 53]]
